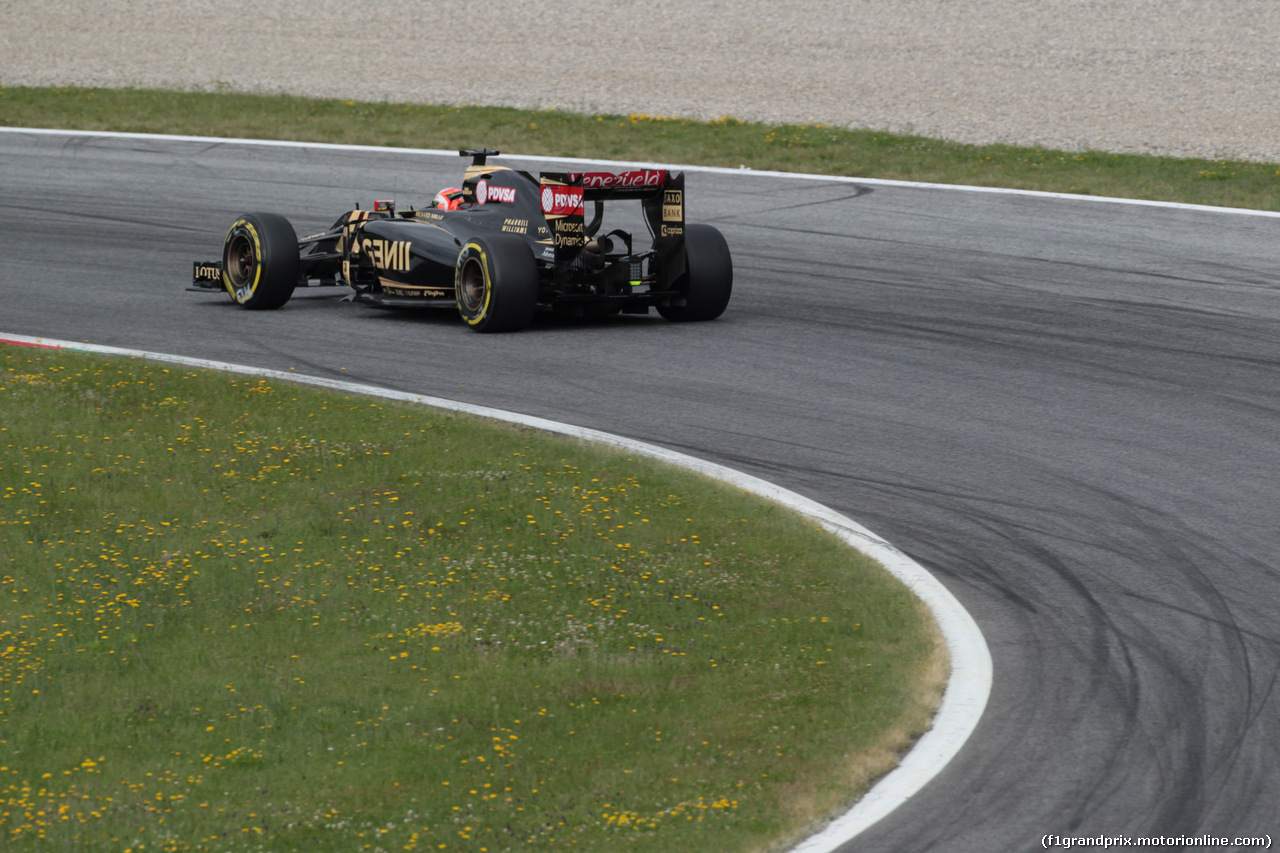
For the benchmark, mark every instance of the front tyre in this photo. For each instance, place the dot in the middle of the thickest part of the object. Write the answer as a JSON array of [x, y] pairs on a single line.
[[708, 279], [496, 281], [260, 260]]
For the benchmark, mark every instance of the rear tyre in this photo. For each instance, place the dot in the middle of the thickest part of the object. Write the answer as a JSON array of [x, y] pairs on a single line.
[[260, 261], [708, 279], [496, 281]]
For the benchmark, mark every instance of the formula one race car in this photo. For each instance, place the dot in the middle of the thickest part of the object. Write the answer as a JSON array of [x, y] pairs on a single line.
[[501, 247]]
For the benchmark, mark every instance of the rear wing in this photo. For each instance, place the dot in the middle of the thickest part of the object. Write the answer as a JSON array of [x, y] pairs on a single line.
[[660, 193]]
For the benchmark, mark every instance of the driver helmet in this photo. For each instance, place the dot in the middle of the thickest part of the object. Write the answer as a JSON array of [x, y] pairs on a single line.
[[448, 199]]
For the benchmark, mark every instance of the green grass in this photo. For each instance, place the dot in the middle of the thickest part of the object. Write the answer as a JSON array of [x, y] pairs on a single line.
[[726, 142], [239, 614]]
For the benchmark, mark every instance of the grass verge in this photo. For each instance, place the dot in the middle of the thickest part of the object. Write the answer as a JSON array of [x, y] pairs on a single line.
[[726, 142], [239, 614]]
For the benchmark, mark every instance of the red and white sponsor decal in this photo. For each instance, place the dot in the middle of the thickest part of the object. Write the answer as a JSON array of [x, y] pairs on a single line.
[[561, 201], [638, 179], [486, 193]]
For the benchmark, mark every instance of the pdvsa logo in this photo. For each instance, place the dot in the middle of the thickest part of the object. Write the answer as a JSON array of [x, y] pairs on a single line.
[[486, 193], [562, 201]]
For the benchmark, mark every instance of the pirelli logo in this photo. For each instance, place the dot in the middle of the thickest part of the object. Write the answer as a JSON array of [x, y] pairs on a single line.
[[387, 254]]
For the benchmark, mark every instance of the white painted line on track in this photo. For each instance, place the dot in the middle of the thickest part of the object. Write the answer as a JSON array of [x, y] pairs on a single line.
[[638, 164], [969, 683]]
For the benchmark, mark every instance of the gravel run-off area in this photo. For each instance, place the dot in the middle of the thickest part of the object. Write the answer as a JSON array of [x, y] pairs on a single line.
[[1177, 77]]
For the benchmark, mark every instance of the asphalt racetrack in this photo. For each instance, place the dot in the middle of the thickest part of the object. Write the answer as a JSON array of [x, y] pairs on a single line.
[[1067, 410]]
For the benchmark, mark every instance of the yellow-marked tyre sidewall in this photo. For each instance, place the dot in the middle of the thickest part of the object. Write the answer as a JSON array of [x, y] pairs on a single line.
[[496, 283], [243, 227], [260, 261], [474, 311]]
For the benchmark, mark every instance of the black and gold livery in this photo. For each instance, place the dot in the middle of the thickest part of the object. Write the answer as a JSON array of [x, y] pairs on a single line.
[[516, 244]]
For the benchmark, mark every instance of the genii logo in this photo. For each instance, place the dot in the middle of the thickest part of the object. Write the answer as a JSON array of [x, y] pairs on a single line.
[[388, 254], [561, 201]]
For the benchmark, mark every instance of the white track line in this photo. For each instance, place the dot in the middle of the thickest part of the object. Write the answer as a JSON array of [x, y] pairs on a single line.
[[637, 164]]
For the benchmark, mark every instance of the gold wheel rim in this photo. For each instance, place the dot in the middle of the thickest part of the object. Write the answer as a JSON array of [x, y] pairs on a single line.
[[240, 261], [471, 286]]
